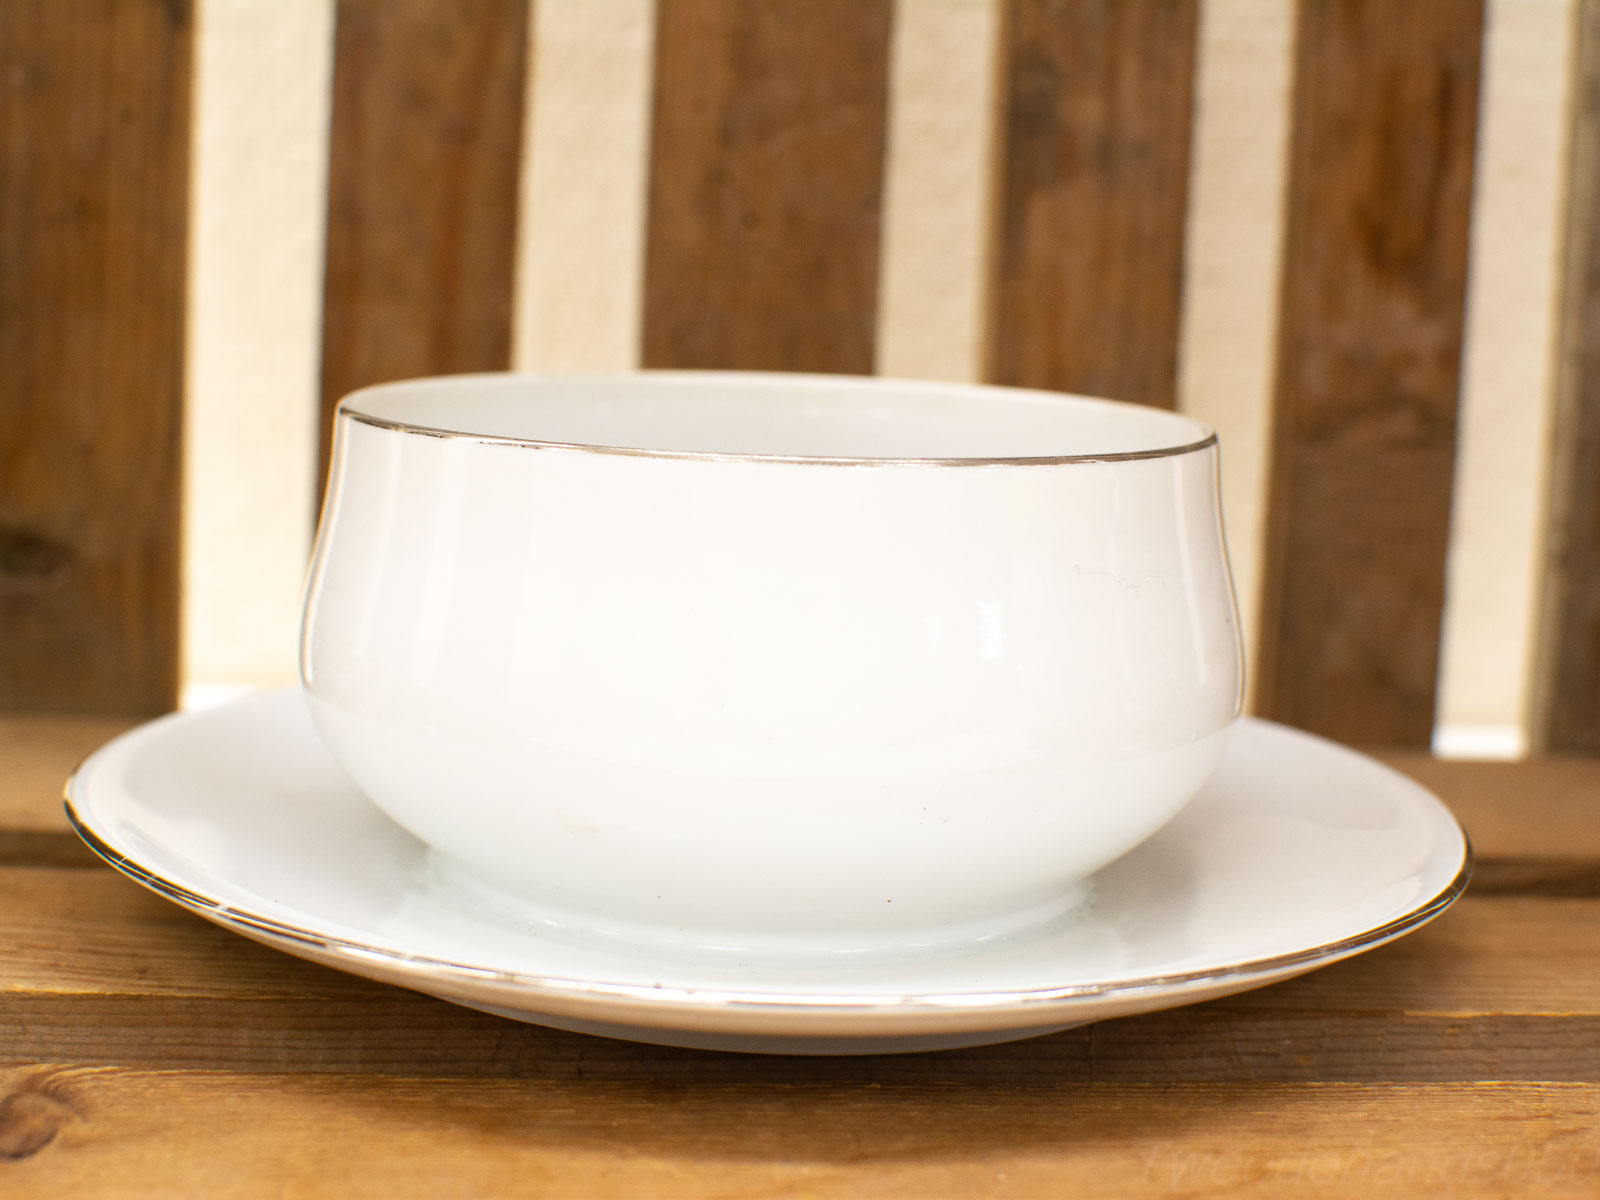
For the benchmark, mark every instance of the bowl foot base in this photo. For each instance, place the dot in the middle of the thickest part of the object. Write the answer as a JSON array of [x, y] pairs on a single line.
[[871, 937]]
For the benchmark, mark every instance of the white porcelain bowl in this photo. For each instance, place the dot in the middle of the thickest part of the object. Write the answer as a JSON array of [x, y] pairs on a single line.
[[733, 657]]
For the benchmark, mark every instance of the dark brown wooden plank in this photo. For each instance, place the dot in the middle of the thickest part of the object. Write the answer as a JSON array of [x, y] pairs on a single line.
[[383, 1032], [422, 190], [37, 848], [94, 150], [766, 183], [1384, 124], [1567, 703], [1088, 261]]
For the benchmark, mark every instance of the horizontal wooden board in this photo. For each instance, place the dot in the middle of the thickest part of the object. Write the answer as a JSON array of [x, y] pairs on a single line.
[[1555, 814], [402, 1035], [98, 970], [1545, 808], [36, 756], [80, 1130], [1504, 955], [1561, 877], [31, 848]]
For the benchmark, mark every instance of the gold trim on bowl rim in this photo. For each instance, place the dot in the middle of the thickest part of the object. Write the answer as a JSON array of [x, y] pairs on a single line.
[[347, 409]]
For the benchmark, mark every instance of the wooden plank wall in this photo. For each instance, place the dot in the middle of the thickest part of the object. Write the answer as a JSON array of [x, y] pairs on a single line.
[[761, 248], [422, 190], [94, 149]]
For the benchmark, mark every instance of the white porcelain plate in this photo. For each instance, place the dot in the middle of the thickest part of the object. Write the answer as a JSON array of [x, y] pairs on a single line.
[[1297, 854]]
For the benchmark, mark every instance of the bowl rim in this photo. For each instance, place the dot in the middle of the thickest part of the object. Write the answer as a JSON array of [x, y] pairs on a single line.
[[350, 408]]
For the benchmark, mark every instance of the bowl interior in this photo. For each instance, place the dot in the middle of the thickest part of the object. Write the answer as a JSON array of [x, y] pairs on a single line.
[[783, 416]]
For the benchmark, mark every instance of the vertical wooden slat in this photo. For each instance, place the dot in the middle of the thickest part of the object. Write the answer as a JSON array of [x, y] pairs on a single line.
[[422, 190], [938, 190], [1567, 687], [1496, 561], [766, 183], [258, 206], [1095, 168], [1233, 268], [580, 246], [1375, 264], [94, 146]]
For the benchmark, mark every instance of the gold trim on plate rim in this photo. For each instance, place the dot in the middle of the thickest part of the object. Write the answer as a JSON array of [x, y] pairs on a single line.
[[989, 1003]]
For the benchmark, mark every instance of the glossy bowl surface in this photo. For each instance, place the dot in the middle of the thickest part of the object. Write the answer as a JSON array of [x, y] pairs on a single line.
[[736, 656]]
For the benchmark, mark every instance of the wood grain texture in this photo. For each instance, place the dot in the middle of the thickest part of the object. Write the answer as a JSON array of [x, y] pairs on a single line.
[[1524, 957], [147, 1053], [94, 148], [1094, 147], [98, 970], [766, 183], [1385, 114], [70, 1131], [1567, 686], [422, 190], [1543, 809], [36, 756]]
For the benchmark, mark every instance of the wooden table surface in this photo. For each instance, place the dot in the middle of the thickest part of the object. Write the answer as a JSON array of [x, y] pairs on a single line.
[[144, 1052]]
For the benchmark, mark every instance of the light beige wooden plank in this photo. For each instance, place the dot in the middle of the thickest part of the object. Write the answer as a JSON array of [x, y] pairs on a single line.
[[938, 189], [580, 245], [1496, 550], [76, 1131], [1227, 351], [258, 200]]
